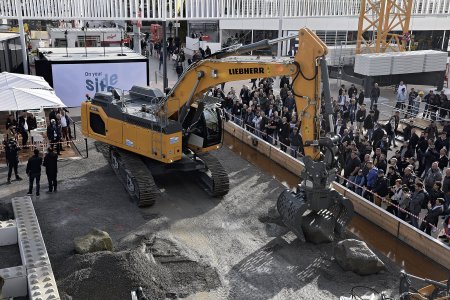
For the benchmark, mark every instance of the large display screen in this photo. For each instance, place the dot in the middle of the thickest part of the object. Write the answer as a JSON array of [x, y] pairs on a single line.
[[73, 81]]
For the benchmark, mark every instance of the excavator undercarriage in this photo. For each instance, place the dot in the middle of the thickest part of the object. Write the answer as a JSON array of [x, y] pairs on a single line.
[[136, 173]]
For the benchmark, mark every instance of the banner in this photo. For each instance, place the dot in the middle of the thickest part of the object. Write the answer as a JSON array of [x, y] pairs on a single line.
[[73, 81]]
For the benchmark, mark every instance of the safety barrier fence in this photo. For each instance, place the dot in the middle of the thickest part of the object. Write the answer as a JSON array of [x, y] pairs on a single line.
[[427, 245], [47, 144], [295, 153], [427, 112]]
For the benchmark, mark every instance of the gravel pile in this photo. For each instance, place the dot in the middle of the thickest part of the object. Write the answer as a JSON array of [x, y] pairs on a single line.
[[112, 275], [158, 266]]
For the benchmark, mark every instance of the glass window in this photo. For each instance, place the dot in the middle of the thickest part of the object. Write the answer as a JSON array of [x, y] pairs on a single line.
[[97, 124]]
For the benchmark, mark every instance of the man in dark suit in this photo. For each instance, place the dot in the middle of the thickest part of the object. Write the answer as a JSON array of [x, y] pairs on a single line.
[[34, 172], [51, 169], [432, 217]]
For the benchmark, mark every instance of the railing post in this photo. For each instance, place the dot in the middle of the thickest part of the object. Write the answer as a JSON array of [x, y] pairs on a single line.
[[86, 145], [74, 131]]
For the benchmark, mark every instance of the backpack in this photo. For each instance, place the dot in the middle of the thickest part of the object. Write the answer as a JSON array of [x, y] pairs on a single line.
[[425, 200]]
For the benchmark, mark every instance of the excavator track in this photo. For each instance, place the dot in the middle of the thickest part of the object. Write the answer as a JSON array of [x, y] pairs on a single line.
[[133, 173], [218, 182]]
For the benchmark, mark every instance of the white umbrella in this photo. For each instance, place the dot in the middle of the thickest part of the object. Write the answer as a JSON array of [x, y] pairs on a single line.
[[8, 80], [24, 99]]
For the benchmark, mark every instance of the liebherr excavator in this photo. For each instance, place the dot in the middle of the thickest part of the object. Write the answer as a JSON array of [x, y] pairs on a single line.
[[145, 132]]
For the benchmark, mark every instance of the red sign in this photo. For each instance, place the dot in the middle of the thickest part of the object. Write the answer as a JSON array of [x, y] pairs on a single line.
[[110, 37]]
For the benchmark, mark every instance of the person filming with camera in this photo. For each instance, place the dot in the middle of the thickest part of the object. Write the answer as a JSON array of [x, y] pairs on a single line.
[[12, 158]]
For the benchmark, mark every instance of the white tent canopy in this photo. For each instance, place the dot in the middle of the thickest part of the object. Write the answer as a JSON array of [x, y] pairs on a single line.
[[25, 98], [8, 80]]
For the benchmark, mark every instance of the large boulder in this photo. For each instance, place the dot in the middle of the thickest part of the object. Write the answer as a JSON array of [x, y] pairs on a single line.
[[356, 256], [318, 227], [96, 240]]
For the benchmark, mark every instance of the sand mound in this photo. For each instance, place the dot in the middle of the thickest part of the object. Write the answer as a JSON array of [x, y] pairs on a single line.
[[158, 266]]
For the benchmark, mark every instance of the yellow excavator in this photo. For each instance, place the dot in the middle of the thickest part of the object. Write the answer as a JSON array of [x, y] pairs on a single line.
[[144, 132]]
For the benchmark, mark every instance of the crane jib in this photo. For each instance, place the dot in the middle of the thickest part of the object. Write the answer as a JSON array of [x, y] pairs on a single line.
[[238, 71]]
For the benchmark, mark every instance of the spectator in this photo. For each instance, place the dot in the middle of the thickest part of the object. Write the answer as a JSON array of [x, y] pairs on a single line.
[[443, 159], [435, 193], [374, 95], [432, 217], [400, 87], [431, 156], [369, 124], [432, 175], [283, 134], [442, 142], [341, 89], [401, 99], [445, 105], [12, 158], [415, 204], [404, 203], [411, 98], [34, 172], [382, 163], [361, 97], [361, 117], [446, 188], [381, 187], [51, 169], [390, 130], [352, 166], [396, 197], [376, 113], [352, 92], [54, 135], [407, 130], [23, 130], [432, 130], [296, 143], [207, 51], [360, 181], [32, 122], [416, 105], [179, 69]]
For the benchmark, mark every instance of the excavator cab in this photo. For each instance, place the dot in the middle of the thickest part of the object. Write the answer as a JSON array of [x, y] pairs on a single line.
[[203, 127]]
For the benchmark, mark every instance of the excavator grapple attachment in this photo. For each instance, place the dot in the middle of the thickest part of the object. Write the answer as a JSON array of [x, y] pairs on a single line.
[[327, 210], [292, 207]]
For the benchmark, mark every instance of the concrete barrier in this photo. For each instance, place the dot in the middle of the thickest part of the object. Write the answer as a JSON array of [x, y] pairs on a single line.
[[427, 245]]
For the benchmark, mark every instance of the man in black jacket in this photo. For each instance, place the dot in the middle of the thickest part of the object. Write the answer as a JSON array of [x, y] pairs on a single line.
[[51, 169], [34, 171], [54, 135], [381, 187], [374, 95], [12, 158], [23, 129], [432, 217]]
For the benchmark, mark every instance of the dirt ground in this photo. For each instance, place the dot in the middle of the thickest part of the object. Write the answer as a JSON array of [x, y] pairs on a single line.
[[253, 260]]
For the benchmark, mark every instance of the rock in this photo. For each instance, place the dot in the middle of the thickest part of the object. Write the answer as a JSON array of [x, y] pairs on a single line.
[[356, 256], [96, 240], [318, 227]]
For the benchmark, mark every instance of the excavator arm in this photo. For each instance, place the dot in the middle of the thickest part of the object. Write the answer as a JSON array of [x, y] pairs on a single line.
[[304, 70]]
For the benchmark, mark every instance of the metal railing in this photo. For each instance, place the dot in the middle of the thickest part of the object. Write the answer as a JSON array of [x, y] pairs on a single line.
[[161, 10], [258, 134], [422, 110]]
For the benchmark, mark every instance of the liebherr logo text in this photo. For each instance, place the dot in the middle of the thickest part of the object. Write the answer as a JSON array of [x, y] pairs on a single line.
[[238, 71]]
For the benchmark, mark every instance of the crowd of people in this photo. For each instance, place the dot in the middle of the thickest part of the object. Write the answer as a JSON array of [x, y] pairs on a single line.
[[410, 178], [58, 134]]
